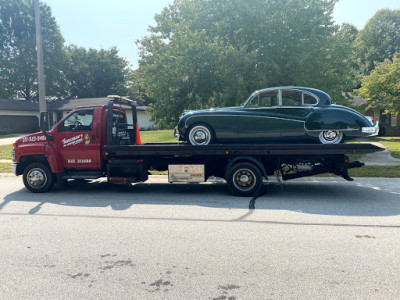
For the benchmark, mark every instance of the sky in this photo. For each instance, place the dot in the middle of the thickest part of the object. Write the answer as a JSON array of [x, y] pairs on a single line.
[[104, 24]]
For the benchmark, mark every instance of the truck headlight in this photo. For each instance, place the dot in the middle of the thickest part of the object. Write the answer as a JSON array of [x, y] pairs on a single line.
[[13, 155]]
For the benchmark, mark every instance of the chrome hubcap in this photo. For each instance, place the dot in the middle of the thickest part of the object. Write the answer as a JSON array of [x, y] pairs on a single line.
[[330, 135], [244, 179], [199, 135], [36, 178]]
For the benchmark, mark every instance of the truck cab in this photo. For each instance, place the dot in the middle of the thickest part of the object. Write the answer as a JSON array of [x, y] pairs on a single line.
[[72, 148]]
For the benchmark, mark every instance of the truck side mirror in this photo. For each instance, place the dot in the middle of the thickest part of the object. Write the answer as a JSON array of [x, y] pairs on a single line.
[[44, 121], [44, 125]]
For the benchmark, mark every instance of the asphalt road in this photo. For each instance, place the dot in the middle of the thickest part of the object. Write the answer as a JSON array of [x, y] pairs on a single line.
[[321, 238]]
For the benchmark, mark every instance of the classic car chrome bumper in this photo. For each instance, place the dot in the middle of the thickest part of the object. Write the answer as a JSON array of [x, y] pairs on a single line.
[[176, 133], [371, 131], [14, 168]]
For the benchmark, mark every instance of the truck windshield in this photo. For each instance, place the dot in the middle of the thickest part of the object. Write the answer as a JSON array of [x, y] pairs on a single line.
[[78, 121]]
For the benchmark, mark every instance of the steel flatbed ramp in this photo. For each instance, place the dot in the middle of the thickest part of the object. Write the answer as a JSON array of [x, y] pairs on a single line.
[[185, 150]]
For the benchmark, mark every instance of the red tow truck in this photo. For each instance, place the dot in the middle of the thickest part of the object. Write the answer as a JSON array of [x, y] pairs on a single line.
[[98, 141]]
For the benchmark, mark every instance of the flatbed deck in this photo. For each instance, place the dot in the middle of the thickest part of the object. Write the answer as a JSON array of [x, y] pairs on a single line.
[[185, 150]]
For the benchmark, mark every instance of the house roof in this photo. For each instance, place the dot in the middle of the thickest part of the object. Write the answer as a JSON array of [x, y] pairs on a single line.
[[19, 105], [58, 105], [354, 99]]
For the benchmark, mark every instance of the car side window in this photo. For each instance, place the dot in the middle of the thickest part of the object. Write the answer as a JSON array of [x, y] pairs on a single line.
[[79, 121], [309, 100], [291, 98], [268, 98]]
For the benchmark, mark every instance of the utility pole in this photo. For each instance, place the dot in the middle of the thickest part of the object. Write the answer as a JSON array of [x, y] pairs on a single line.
[[39, 50]]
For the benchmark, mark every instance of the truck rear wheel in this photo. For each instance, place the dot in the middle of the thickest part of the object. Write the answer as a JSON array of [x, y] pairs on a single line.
[[38, 178], [244, 179]]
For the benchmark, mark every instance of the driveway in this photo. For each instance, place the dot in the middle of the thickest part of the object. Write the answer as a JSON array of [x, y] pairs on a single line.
[[9, 141]]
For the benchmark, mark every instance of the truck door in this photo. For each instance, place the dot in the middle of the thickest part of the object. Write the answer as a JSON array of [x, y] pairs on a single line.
[[76, 140]]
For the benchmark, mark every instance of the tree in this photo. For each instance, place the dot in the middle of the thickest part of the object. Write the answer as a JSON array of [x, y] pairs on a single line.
[[135, 87], [95, 73], [18, 60], [214, 53], [381, 88], [379, 39]]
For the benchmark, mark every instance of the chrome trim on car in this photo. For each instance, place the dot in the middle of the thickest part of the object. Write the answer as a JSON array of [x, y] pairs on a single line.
[[347, 129], [14, 168], [372, 131], [280, 107], [247, 116]]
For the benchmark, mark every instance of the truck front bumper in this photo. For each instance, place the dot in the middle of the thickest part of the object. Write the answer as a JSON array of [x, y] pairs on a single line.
[[14, 168]]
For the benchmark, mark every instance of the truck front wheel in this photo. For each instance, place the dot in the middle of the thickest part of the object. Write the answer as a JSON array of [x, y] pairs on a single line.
[[38, 178], [244, 179]]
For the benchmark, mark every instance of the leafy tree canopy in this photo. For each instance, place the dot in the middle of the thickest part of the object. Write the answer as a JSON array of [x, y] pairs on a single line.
[[70, 72], [18, 59], [381, 88], [215, 53], [379, 39], [95, 73]]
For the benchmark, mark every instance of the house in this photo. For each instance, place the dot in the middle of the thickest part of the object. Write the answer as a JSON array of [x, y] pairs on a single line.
[[22, 116], [389, 124]]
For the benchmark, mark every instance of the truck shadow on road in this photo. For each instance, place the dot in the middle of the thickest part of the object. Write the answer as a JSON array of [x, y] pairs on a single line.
[[321, 198]]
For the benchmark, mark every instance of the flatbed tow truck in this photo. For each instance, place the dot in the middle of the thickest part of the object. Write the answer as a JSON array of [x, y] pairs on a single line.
[[97, 141]]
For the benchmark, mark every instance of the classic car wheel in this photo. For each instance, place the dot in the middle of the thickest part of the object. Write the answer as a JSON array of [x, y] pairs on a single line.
[[200, 134], [38, 178], [331, 137], [244, 179]]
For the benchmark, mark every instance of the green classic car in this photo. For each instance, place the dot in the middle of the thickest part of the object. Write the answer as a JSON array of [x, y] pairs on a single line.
[[279, 114]]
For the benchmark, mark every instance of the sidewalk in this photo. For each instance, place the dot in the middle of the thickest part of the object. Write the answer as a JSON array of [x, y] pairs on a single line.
[[381, 158]]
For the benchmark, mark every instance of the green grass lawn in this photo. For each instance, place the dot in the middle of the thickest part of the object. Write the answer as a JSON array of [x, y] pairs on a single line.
[[5, 151], [375, 171], [5, 168], [158, 136]]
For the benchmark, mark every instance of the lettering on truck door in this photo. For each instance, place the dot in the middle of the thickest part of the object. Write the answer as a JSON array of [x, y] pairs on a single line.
[[76, 141]]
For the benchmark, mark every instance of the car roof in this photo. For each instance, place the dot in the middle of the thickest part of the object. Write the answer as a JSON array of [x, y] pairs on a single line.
[[324, 98]]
